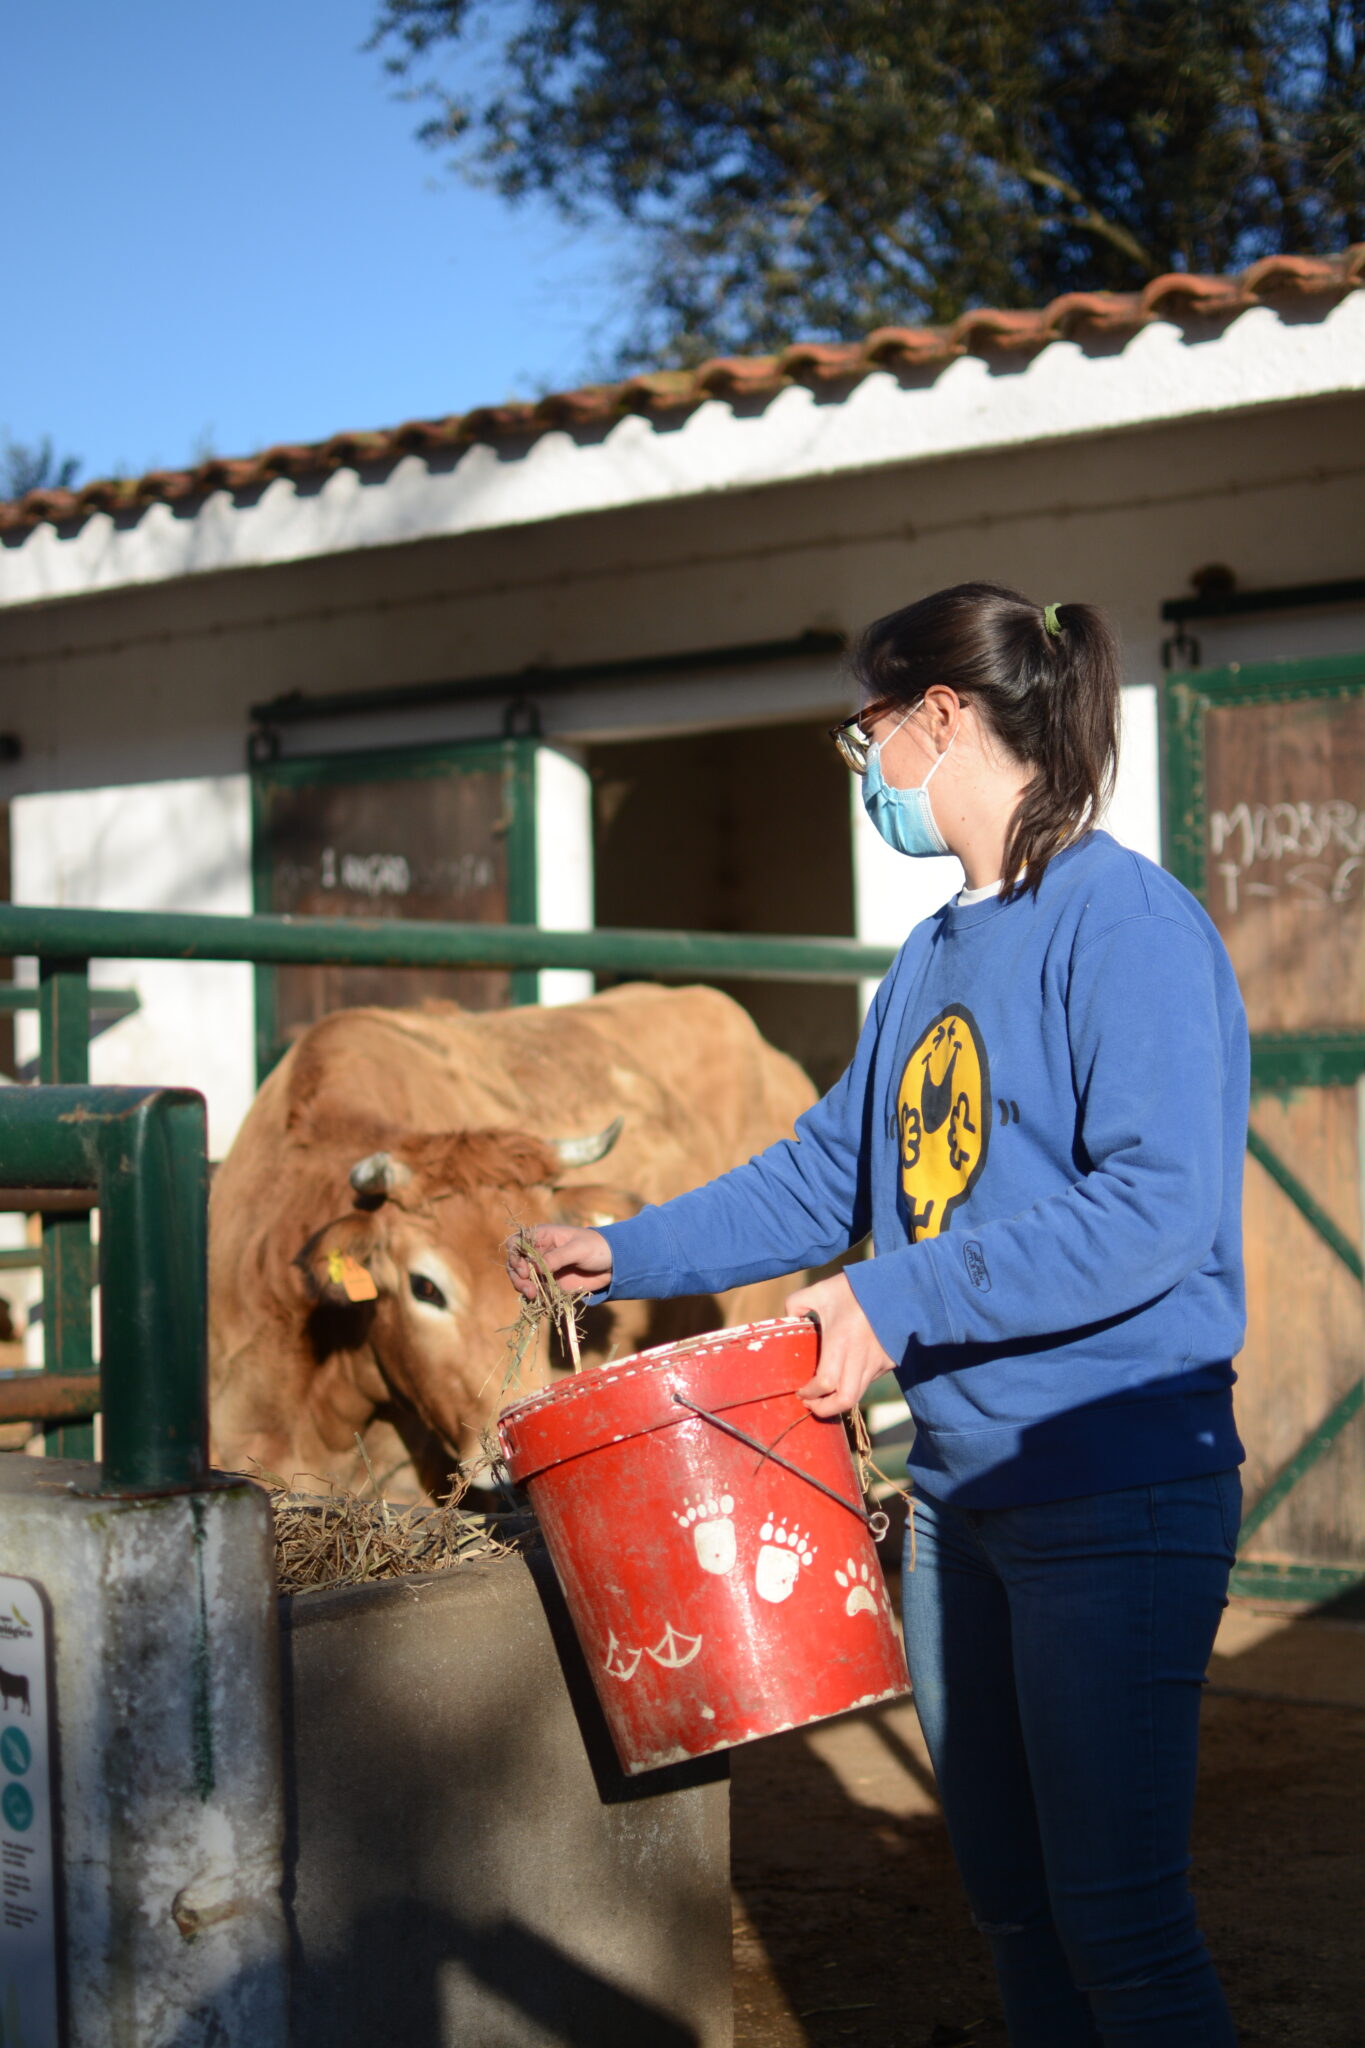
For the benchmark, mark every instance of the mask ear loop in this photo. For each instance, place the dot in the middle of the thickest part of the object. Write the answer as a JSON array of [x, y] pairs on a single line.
[[877, 745], [944, 755]]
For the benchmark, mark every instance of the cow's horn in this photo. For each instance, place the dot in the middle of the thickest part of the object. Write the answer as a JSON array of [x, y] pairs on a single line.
[[587, 1151], [379, 1174]]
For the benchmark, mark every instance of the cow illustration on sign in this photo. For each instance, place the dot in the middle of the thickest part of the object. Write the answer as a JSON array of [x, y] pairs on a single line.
[[943, 1116], [14, 1686]]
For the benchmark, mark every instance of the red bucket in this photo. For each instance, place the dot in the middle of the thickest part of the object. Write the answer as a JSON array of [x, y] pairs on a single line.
[[719, 1593]]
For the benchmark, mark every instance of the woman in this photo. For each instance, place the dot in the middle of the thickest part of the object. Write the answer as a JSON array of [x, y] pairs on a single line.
[[1043, 1130]]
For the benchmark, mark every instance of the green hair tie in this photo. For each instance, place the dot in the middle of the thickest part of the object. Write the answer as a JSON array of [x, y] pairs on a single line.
[[1050, 621]]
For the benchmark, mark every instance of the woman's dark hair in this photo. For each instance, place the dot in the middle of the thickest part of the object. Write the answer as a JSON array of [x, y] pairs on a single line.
[[1050, 697]]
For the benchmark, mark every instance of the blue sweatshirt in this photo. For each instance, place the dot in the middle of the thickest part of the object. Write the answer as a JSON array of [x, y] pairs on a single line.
[[1043, 1129]]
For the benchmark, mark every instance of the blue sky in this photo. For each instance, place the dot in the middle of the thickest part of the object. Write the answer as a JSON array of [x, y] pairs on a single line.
[[220, 232]]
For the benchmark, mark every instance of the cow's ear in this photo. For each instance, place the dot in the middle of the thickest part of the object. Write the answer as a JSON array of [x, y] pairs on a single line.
[[588, 1208], [335, 1267]]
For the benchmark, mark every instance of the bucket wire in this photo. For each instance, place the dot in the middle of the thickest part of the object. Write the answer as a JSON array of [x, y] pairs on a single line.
[[877, 1523]]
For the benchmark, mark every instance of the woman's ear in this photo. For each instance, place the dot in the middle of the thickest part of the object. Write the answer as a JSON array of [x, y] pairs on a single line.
[[942, 715]]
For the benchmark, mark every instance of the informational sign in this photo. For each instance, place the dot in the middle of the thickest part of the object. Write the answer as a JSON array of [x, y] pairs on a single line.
[[30, 2004]]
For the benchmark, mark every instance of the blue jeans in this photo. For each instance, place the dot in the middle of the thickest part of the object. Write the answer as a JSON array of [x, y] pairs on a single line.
[[1057, 1653]]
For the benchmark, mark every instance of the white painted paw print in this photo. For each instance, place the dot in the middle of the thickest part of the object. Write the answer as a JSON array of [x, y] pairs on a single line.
[[780, 1560], [713, 1532], [864, 1584]]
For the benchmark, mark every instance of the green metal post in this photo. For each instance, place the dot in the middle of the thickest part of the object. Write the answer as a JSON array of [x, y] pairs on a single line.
[[154, 1186], [522, 843], [64, 1020], [143, 1150], [68, 1255]]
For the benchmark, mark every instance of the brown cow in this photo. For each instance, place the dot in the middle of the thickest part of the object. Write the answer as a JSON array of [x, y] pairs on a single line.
[[388, 1156]]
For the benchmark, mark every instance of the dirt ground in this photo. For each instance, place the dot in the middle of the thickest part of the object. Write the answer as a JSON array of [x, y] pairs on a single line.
[[851, 1928]]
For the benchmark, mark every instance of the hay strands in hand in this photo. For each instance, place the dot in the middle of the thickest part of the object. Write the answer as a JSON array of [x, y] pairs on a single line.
[[551, 1305]]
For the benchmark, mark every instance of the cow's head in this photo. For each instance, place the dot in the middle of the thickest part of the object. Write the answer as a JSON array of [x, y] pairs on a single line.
[[409, 1273]]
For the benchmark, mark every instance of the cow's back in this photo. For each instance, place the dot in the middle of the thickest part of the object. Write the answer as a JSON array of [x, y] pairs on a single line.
[[687, 1069]]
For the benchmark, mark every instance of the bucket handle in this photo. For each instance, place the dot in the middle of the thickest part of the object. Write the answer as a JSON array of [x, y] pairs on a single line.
[[877, 1524]]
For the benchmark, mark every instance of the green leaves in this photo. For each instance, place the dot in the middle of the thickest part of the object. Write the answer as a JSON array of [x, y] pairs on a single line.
[[817, 171]]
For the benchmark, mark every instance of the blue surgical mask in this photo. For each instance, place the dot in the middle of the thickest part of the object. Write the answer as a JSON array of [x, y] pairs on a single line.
[[904, 817]]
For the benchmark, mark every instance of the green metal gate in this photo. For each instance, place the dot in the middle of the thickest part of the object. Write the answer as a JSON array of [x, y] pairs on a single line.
[[1263, 806]]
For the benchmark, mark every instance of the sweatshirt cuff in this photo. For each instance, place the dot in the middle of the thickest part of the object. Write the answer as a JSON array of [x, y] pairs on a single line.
[[643, 1258], [903, 1301]]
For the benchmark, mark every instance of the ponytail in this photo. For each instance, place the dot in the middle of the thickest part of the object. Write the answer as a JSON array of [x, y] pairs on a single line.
[[1044, 679]]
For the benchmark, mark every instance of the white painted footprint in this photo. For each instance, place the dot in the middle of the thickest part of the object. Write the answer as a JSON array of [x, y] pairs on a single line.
[[861, 1582], [713, 1532], [780, 1560]]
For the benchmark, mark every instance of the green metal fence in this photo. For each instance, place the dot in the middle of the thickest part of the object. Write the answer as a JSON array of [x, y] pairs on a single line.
[[140, 1155], [65, 941]]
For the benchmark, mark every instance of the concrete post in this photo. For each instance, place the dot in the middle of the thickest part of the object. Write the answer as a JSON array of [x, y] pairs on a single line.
[[164, 1719]]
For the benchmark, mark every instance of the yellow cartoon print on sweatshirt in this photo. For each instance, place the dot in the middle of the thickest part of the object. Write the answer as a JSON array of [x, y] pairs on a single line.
[[943, 1116]]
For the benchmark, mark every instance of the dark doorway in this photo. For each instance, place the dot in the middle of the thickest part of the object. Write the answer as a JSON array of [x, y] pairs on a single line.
[[739, 831]]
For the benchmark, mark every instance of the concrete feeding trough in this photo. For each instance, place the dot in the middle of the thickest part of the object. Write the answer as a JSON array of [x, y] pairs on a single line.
[[466, 1863]]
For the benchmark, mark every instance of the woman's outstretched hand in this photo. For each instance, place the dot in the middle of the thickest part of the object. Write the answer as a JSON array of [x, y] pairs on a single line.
[[579, 1259], [850, 1356]]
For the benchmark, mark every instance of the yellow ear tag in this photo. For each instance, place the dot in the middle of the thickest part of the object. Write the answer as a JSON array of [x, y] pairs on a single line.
[[357, 1281], [351, 1277]]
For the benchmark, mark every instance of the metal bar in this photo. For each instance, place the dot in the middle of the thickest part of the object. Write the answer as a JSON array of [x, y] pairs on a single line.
[[770, 1456], [1258, 1579], [54, 1201], [1226, 604], [64, 1018], [104, 1002], [1308, 1453], [377, 942], [1327, 1230], [48, 1396], [144, 1151], [68, 1254], [530, 682], [1283, 1061], [17, 1261]]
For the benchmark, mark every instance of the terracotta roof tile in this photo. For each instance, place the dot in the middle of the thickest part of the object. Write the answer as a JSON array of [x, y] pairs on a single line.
[[988, 331]]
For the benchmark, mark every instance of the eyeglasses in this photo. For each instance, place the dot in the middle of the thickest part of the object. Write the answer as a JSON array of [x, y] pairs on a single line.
[[850, 736]]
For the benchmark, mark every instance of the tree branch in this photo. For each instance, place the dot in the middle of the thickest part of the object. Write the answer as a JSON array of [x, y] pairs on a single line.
[[1091, 217]]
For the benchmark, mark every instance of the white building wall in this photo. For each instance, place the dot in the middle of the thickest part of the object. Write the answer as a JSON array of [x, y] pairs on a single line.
[[563, 863], [132, 706], [154, 846], [155, 682]]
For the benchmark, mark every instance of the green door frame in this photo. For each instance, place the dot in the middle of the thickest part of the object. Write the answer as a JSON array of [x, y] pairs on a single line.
[[517, 756], [1279, 1061]]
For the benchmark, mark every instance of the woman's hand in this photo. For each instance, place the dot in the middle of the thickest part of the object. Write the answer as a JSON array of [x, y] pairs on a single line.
[[579, 1259], [850, 1356]]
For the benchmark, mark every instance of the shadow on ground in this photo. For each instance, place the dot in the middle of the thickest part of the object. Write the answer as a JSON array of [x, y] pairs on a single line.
[[851, 1927]]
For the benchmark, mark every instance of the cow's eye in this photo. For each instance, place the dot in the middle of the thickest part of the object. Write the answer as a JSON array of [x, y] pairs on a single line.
[[426, 1290]]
